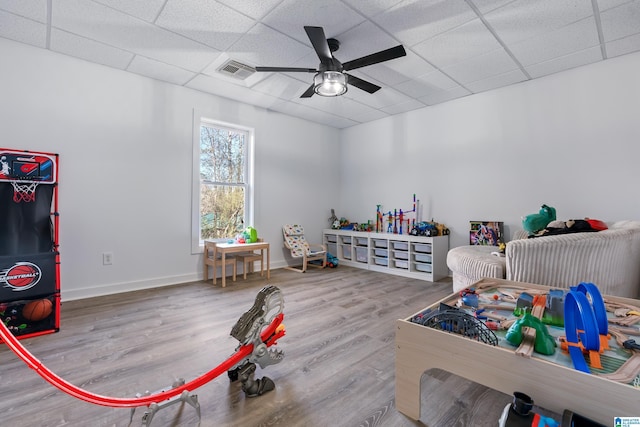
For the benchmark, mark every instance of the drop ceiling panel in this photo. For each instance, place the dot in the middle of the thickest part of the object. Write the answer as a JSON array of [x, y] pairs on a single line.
[[454, 47], [371, 8], [385, 97], [621, 21], [575, 59], [623, 46], [263, 46], [523, 19], [147, 10], [413, 21], [308, 113], [238, 93], [399, 70], [206, 21], [159, 70], [438, 96], [22, 30], [281, 86], [114, 28], [608, 4], [341, 106], [494, 82], [290, 16], [463, 42], [403, 107], [255, 9], [485, 6], [89, 50], [481, 67], [571, 38], [363, 40], [425, 84], [32, 9]]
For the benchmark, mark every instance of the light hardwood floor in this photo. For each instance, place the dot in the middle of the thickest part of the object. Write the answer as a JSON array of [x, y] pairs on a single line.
[[338, 368]]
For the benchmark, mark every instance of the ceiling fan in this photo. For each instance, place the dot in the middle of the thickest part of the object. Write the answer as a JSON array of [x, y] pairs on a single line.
[[331, 78]]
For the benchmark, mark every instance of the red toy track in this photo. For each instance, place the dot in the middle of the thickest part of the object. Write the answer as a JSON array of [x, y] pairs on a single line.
[[269, 336]]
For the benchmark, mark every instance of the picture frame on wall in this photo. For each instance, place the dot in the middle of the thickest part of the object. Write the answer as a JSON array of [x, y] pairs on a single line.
[[486, 233]]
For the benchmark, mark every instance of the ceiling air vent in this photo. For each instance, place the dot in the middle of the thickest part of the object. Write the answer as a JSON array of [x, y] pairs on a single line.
[[236, 70]]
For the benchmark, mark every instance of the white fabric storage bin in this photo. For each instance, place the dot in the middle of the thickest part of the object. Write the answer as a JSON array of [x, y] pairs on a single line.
[[403, 246], [381, 252], [422, 247], [422, 257], [400, 255], [380, 243], [427, 268], [402, 264]]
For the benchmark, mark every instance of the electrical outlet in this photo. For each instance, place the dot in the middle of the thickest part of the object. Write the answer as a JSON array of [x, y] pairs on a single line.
[[107, 258]]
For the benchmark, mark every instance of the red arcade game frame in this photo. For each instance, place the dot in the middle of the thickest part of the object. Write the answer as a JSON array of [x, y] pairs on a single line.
[[29, 242]]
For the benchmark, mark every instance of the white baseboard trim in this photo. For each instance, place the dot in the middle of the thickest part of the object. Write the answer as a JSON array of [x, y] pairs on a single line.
[[117, 288], [156, 282]]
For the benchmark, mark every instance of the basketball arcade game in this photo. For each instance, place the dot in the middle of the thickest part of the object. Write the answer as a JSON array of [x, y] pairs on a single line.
[[29, 257]]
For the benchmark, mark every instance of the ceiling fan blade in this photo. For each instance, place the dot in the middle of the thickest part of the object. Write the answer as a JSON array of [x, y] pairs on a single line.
[[362, 84], [308, 93], [319, 42], [287, 69], [374, 58]]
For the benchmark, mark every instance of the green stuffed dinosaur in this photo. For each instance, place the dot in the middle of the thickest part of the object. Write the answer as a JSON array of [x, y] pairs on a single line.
[[536, 222]]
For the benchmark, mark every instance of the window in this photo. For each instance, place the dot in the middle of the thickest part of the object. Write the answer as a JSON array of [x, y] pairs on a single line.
[[223, 185]]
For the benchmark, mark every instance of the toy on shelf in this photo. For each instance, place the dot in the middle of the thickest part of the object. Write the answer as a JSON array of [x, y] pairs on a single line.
[[395, 219], [429, 228], [334, 222]]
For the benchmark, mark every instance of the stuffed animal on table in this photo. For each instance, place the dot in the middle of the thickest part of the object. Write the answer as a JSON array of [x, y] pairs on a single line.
[[533, 223]]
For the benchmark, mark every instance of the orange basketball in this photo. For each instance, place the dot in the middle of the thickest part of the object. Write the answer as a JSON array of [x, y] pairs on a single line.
[[37, 310]]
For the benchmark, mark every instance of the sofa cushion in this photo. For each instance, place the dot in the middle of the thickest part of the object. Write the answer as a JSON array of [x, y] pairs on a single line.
[[610, 259], [471, 263]]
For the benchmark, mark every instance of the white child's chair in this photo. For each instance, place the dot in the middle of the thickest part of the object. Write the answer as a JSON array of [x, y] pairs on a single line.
[[295, 241]]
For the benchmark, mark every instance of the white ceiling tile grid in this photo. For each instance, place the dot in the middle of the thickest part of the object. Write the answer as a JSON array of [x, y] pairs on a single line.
[[454, 47]]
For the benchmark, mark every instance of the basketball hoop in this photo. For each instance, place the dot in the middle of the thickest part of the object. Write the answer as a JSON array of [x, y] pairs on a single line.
[[24, 192]]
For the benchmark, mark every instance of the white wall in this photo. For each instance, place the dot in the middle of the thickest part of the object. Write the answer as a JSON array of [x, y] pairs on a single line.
[[125, 166], [570, 140]]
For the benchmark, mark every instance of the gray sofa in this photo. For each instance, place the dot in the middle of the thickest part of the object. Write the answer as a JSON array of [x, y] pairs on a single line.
[[610, 259]]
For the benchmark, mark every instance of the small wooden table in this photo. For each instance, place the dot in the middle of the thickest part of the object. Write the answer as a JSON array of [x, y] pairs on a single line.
[[226, 248]]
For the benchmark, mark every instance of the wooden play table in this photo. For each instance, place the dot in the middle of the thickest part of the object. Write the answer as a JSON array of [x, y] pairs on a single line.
[[229, 248], [552, 386]]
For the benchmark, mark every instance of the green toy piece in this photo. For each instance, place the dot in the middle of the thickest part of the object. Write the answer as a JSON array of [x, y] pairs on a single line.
[[252, 235], [544, 344]]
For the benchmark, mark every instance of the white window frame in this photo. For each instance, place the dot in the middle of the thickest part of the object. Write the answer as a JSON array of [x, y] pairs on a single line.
[[199, 119]]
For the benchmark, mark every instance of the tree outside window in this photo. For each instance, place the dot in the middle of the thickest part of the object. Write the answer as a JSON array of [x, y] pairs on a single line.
[[223, 181]]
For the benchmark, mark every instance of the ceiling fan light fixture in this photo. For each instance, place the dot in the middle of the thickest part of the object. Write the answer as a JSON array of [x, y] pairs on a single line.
[[330, 83]]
